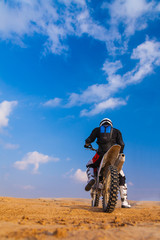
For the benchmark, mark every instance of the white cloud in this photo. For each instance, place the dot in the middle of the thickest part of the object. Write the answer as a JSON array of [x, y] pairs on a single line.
[[131, 14], [130, 184], [148, 54], [99, 92], [6, 108], [101, 107], [28, 187], [34, 158], [53, 102], [101, 95], [127, 17], [80, 176], [22, 18], [111, 67], [68, 173], [59, 19], [11, 146], [68, 2], [50, 19]]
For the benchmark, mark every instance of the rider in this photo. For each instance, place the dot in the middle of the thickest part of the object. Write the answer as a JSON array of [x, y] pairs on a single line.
[[106, 136]]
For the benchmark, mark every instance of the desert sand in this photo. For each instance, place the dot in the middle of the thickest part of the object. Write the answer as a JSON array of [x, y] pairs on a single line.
[[32, 219]]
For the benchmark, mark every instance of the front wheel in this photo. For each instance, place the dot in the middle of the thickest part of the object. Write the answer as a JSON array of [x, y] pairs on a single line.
[[110, 191]]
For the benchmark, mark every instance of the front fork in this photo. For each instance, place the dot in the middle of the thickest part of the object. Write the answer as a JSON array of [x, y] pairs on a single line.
[[97, 188]]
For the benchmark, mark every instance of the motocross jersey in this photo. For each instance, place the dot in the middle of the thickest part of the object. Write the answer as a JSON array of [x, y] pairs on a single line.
[[107, 136]]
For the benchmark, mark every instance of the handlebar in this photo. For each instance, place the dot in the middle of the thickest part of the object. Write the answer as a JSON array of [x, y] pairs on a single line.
[[89, 147]]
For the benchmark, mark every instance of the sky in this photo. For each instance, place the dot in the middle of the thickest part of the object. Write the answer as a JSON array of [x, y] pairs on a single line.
[[64, 66]]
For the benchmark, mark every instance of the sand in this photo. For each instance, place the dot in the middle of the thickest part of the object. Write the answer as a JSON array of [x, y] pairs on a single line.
[[32, 219]]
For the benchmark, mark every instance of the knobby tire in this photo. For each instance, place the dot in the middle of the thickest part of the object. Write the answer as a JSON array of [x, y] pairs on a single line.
[[109, 196]]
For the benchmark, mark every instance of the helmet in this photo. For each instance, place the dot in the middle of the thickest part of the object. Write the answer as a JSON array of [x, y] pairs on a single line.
[[107, 121]]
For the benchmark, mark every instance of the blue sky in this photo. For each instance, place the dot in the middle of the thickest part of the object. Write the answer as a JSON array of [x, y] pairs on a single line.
[[64, 66]]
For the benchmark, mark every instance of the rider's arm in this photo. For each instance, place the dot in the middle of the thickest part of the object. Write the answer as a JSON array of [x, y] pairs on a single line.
[[92, 137], [120, 141]]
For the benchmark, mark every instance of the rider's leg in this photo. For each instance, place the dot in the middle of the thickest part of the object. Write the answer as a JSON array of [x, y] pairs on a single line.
[[91, 180], [91, 165], [123, 190]]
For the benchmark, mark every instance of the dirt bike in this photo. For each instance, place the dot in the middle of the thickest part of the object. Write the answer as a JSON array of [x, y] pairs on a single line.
[[107, 179]]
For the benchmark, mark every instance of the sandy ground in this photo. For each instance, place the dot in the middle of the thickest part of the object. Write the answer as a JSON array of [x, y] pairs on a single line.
[[32, 219]]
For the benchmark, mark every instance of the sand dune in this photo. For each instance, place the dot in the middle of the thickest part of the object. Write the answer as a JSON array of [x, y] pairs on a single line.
[[32, 219]]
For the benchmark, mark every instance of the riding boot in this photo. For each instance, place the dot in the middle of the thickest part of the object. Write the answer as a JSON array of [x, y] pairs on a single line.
[[123, 193], [91, 180]]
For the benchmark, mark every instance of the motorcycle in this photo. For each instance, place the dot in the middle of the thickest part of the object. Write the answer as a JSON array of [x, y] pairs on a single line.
[[107, 179]]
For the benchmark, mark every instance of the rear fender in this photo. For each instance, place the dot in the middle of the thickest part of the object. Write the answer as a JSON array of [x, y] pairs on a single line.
[[110, 157]]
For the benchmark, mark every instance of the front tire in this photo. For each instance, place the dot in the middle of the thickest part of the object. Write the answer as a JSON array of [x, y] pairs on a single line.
[[110, 191]]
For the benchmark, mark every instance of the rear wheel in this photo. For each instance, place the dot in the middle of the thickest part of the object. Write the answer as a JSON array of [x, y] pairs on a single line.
[[110, 191], [95, 200]]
